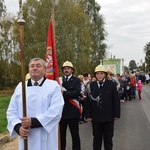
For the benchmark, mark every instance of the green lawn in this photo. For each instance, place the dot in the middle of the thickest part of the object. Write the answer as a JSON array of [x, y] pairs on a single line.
[[4, 101]]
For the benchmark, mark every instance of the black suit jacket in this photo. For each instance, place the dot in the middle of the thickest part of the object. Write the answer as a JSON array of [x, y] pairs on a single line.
[[108, 105], [73, 87]]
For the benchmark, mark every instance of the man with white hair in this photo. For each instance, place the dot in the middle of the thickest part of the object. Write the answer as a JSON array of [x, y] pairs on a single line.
[[44, 109]]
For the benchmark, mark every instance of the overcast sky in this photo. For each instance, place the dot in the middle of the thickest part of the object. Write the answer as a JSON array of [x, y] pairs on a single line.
[[127, 25]]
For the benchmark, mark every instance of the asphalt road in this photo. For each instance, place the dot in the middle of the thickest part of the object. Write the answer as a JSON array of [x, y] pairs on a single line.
[[132, 130]]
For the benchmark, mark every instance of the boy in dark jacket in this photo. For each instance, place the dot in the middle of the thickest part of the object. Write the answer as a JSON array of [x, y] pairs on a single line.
[[102, 108]]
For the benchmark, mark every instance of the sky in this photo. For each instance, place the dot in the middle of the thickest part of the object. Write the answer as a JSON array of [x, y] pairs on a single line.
[[127, 26]]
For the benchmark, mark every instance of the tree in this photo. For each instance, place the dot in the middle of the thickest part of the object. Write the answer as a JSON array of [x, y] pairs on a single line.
[[147, 56], [74, 42], [97, 31], [79, 32], [132, 65], [126, 69], [79, 36], [7, 50], [2, 10]]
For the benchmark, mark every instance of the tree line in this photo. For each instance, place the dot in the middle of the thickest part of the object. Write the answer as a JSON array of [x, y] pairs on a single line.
[[142, 66], [79, 30]]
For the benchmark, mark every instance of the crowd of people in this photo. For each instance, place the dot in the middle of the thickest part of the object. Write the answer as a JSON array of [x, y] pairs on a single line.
[[129, 84], [76, 100]]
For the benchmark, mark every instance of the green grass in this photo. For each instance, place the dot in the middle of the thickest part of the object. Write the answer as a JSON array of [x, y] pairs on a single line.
[[4, 102]]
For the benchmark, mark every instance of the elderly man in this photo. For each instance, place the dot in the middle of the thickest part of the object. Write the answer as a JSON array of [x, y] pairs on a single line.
[[102, 108], [44, 109]]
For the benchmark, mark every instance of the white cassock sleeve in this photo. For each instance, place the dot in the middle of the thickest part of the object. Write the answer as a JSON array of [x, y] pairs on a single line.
[[12, 112]]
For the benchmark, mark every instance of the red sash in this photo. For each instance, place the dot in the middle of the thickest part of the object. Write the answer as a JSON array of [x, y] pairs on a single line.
[[75, 103]]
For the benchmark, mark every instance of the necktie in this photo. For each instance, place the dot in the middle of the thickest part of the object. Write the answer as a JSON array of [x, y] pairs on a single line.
[[66, 79], [100, 84], [36, 83]]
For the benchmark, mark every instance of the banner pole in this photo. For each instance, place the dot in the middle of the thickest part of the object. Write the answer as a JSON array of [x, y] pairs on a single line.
[[53, 24], [21, 23]]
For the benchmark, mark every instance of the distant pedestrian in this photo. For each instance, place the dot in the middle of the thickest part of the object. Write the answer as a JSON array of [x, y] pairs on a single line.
[[102, 108], [139, 89], [93, 78], [121, 89], [81, 99], [143, 79], [147, 78], [86, 79], [113, 77], [133, 85], [128, 87]]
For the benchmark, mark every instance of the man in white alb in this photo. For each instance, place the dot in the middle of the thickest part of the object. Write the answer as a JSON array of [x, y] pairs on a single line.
[[44, 109]]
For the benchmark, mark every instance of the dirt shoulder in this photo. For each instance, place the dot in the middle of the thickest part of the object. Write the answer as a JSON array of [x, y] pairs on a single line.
[[6, 143]]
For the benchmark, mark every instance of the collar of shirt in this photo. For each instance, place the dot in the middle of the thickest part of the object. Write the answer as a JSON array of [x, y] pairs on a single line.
[[39, 81], [86, 81], [68, 77], [102, 82]]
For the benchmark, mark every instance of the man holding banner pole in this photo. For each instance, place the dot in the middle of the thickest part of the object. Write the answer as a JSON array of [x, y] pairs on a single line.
[[44, 109], [71, 88]]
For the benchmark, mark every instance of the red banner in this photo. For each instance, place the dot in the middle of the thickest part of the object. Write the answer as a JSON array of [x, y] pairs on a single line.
[[51, 58]]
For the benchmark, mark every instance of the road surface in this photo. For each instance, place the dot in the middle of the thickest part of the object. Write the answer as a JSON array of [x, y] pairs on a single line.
[[132, 130]]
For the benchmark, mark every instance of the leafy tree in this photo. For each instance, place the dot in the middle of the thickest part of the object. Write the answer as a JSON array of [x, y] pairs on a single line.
[[126, 69], [79, 32], [132, 65], [74, 42], [2, 10], [36, 15], [7, 50], [97, 31], [2, 14], [147, 56], [75, 32]]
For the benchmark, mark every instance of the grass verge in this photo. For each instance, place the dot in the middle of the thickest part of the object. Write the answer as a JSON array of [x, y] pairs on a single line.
[[4, 102]]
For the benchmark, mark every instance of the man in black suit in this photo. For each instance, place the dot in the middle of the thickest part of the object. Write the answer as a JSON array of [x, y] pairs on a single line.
[[102, 108], [71, 88]]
